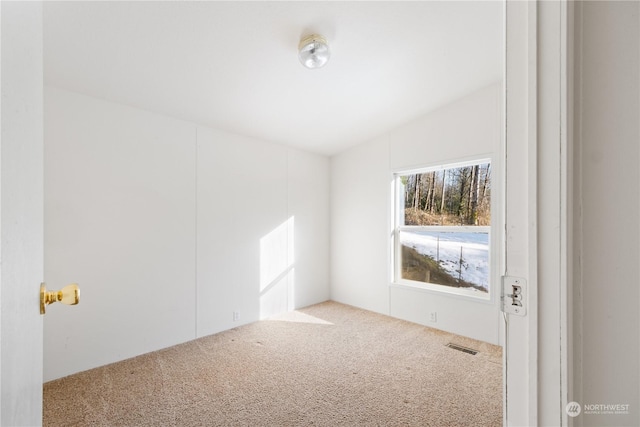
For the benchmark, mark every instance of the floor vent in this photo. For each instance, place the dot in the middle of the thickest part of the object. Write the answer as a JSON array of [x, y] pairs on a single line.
[[463, 349]]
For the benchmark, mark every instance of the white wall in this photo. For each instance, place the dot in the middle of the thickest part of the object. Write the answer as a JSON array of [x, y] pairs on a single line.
[[607, 141], [160, 222], [361, 213], [263, 229], [360, 184], [308, 203]]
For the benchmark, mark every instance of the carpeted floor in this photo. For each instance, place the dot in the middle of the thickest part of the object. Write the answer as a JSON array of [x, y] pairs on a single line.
[[324, 365]]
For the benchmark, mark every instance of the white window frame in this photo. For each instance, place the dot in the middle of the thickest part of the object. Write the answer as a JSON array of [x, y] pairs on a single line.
[[398, 214]]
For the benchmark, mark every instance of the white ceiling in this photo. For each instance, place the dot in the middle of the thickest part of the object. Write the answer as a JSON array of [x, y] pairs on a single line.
[[233, 65]]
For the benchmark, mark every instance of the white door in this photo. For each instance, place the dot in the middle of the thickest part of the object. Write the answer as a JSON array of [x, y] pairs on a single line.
[[21, 215]]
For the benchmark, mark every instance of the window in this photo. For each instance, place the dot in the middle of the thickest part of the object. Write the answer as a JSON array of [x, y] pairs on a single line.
[[442, 228]]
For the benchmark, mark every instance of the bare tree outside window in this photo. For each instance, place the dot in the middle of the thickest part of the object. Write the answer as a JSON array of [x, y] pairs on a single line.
[[457, 196], [442, 227]]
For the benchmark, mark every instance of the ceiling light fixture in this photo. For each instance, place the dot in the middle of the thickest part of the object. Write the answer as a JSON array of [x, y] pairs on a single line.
[[313, 51]]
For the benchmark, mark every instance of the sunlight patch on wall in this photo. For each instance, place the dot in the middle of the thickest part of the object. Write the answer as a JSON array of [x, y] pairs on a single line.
[[277, 272]]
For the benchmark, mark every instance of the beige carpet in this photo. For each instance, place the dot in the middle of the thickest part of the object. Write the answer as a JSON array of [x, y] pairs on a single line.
[[325, 365]]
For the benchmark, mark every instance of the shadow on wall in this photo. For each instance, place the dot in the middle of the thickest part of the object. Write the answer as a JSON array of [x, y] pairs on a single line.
[[277, 270]]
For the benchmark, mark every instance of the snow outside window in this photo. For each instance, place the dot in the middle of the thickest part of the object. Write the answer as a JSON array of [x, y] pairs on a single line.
[[442, 228]]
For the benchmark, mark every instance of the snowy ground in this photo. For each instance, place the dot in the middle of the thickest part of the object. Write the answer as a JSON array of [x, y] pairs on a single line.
[[446, 247]]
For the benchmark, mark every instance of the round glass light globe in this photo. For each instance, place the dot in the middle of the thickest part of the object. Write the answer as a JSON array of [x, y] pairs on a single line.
[[313, 51]]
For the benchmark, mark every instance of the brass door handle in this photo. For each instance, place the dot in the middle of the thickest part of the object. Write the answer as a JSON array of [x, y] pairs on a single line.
[[69, 295]]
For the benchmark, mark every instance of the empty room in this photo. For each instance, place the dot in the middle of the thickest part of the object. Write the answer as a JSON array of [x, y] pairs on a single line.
[[318, 213]]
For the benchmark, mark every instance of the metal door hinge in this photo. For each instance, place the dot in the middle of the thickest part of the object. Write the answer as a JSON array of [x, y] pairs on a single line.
[[514, 295]]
